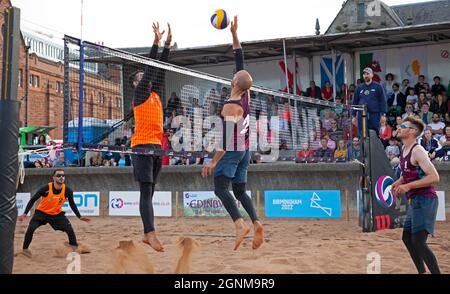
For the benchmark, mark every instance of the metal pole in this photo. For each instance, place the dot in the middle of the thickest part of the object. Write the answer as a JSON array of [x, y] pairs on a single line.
[[333, 61], [27, 81], [81, 95], [285, 66], [66, 91], [294, 57]]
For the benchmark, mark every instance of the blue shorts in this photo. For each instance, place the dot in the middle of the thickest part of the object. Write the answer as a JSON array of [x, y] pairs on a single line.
[[421, 215], [234, 165]]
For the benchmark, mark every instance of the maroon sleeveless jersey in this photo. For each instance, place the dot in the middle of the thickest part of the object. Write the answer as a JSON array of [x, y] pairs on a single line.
[[413, 173], [241, 132]]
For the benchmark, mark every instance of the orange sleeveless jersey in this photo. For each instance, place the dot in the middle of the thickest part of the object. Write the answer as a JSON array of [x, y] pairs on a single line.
[[52, 204], [148, 117]]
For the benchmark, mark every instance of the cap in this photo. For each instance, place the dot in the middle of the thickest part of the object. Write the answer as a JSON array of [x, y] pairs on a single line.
[[368, 70]]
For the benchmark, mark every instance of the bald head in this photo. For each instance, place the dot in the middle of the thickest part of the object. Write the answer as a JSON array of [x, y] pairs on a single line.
[[243, 80]]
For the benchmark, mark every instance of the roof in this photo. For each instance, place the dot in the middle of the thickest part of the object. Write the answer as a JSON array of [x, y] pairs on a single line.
[[309, 45], [423, 12]]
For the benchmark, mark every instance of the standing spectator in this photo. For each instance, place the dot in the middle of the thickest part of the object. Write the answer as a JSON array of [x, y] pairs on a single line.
[[388, 84], [327, 91], [324, 152], [341, 151], [412, 97], [437, 126], [420, 84], [354, 150], [351, 94], [439, 104], [371, 94], [426, 115], [392, 151], [430, 144], [335, 133], [313, 91], [405, 87], [437, 88], [385, 131]]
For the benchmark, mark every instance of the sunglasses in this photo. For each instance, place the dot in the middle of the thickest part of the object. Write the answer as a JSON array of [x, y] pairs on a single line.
[[403, 126], [60, 176]]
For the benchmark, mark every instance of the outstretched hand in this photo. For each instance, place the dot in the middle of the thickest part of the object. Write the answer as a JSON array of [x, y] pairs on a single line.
[[234, 25], [158, 33], [169, 34]]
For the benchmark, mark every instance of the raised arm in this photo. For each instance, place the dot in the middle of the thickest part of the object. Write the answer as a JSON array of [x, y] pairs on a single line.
[[237, 48], [141, 92], [159, 79]]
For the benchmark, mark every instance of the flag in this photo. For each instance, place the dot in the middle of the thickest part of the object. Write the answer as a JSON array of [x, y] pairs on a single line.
[[376, 60], [414, 63], [326, 71]]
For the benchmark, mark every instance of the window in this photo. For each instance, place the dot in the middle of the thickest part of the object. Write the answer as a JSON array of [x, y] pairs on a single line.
[[361, 11], [101, 99], [31, 80], [20, 78], [34, 81]]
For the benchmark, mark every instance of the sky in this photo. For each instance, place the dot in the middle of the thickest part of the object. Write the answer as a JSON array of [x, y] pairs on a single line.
[[128, 23]]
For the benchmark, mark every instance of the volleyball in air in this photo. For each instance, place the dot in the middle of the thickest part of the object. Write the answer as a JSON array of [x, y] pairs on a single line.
[[220, 19]]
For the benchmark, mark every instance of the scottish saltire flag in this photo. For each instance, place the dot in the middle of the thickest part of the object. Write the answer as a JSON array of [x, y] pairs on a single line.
[[326, 70]]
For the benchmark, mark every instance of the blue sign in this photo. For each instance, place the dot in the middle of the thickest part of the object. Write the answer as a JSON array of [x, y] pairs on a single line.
[[303, 204]]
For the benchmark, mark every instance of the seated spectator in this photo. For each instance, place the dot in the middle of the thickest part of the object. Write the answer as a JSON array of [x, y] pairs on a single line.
[[306, 152], [437, 126], [404, 88], [324, 152], [430, 144], [335, 133], [445, 143], [327, 91], [397, 101], [392, 150], [420, 84], [439, 104], [331, 143], [387, 85], [385, 131], [412, 97], [313, 91], [425, 114], [96, 159], [42, 140], [354, 150], [422, 99], [397, 126], [409, 111], [437, 88], [341, 151], [61, 161]]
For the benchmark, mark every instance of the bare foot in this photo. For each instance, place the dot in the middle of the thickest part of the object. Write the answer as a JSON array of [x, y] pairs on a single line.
[[258, 238], [153, 241], [26, 253], [240, 235]]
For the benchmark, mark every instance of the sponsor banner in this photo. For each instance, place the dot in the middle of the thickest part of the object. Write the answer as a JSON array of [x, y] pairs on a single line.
[[123, 203], [22, 200], [303, 204], [205, 203], [88, 204]]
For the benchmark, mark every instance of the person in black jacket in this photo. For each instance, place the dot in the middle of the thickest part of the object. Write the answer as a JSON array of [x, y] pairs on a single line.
[[313, 91]]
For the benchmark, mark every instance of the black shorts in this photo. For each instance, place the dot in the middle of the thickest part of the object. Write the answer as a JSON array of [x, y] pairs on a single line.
[[58, 222], [147, 167]]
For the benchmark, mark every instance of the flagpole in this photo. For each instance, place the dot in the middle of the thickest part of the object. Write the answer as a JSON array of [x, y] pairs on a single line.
[[286, 66], [333, 64]]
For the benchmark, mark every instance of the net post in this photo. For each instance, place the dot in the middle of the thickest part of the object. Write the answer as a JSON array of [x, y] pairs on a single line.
[[81, 95]]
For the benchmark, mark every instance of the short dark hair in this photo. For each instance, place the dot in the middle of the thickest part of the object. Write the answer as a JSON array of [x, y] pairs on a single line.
[[132, 77], [437, 77], [418, 123], [57, 170], [421, 76], [389, 74], [396, 84]]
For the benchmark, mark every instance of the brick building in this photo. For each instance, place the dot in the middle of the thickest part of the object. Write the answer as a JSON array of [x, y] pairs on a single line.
[[45, 80]]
